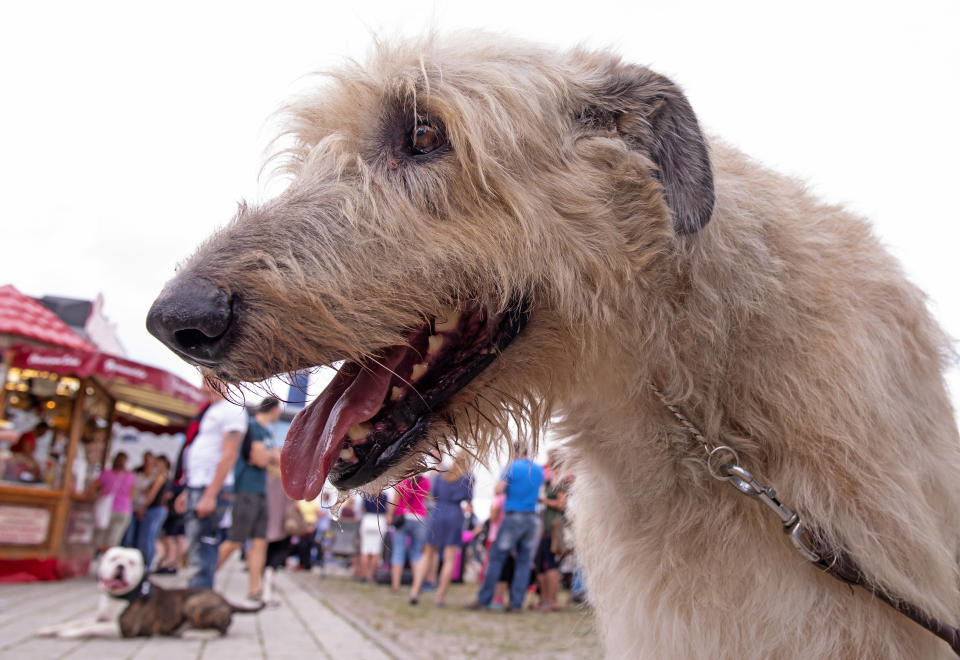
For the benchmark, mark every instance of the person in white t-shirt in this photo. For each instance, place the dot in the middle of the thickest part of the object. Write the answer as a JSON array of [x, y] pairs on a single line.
[[209, 464]]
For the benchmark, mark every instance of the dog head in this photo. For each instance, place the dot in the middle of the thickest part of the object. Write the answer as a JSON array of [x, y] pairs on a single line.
[[466, 223], [121, 570]]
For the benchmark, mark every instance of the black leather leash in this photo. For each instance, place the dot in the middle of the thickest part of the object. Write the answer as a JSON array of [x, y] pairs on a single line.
[[840, 565], [723, 464]]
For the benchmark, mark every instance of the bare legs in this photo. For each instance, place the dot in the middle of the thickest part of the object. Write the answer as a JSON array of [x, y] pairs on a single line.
[[368, 566], [226, 549], [446, 573], [396, 573], [549, 589], [171, 552], [427, 562], [256, 558], [420, 570]]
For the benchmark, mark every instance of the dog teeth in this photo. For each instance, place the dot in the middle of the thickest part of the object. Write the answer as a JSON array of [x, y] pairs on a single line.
[[434, 344], [396, 393], [358, 432], [347, 454], [449, 323], [418, 370]]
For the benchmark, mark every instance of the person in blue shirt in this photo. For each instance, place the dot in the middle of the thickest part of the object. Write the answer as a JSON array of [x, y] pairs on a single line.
[[518, 533]]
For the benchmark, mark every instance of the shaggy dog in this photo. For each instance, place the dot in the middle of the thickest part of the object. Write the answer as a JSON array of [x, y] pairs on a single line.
[[489, 235], [151, 610]]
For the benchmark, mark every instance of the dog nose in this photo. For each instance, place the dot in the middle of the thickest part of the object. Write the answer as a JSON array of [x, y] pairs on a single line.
[[192, 316]]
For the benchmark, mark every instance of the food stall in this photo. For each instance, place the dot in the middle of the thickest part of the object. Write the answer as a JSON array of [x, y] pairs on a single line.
[[72, 400]]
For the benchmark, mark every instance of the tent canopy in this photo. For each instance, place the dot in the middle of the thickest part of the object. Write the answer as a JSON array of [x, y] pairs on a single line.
[[151, 395], [22, 317]]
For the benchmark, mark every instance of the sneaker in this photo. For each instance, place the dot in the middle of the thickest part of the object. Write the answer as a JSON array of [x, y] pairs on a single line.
[[475, 605], [428, 587], [496, 607], [413, 599]]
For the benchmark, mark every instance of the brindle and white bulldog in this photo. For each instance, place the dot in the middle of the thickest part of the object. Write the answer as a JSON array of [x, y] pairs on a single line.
[[151, 610]]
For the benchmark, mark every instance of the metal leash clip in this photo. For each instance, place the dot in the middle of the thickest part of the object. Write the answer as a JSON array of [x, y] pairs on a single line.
[[835, 562], [747, 484]]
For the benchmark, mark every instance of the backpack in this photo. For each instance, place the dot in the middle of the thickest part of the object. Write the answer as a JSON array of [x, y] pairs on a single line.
[[245, 447], [179, 478], [247, 442]]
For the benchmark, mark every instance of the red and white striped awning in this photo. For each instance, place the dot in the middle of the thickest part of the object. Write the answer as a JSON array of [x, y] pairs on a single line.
[[22, 316]]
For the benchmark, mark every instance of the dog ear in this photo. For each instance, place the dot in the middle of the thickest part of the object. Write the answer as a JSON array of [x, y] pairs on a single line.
[[652, 115]]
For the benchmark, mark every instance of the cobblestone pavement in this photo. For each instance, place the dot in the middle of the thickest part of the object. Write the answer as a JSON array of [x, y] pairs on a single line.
[[300, 626]]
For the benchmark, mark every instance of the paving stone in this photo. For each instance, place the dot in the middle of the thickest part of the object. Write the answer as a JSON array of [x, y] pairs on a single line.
[[36, 648], [169, 648], [300, 627], [335, 634]]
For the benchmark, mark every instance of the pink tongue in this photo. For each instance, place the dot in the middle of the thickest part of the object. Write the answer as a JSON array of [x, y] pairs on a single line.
[[317, 433]]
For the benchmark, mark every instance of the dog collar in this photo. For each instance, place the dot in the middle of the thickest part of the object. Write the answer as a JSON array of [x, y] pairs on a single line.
[[142, 590]]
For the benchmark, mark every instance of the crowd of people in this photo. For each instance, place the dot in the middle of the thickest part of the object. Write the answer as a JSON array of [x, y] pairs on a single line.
[[224, 495], [134, 503], [435, 537]]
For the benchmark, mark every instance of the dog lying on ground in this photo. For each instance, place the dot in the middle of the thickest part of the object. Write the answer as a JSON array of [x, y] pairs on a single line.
[[151, 610], [488, 235]]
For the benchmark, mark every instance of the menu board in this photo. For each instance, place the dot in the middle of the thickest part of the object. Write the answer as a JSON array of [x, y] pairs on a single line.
[[23, 525]]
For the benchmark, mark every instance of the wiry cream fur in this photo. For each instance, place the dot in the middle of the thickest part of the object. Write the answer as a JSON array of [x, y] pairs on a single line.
[[802, 346], [781, 328]]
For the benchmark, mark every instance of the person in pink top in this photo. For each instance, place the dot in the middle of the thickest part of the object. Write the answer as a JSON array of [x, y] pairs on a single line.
[[407, 514], [496, 515], [117, 482]]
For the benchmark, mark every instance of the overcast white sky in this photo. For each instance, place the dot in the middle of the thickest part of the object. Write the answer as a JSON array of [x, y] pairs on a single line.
[[129, 131]]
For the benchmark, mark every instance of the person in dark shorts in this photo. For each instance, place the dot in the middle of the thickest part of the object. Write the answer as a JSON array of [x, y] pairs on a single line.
[[250, 495], [546, 563], [444, 527], [173, 539], [173, 543], [153, 511]]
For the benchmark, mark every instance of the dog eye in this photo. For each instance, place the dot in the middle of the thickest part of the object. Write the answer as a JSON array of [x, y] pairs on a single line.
[[424, 139]]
